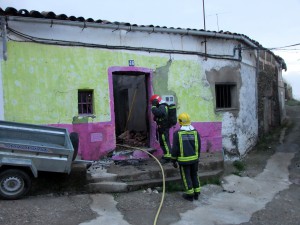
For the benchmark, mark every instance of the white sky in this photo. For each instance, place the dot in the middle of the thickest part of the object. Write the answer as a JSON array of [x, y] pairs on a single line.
[[272, 23]]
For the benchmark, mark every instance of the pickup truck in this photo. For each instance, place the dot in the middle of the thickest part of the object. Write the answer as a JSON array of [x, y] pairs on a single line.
[[26, 149]]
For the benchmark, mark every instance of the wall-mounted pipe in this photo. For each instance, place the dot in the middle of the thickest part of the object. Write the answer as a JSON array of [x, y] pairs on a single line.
[[71, 43], [205, 46], [4, 39]]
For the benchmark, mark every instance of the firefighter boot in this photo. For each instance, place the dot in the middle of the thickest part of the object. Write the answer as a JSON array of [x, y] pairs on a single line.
[[188, 197], [196, 196]]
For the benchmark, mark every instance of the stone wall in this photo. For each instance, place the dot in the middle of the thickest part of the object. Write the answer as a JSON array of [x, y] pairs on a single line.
[[267, 93]]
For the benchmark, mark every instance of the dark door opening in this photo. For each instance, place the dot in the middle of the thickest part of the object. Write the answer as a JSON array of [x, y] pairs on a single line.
[[131, 108]]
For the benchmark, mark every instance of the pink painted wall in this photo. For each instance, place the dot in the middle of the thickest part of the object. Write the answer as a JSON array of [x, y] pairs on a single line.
[[95, 139], [210, 133], [98, 138]]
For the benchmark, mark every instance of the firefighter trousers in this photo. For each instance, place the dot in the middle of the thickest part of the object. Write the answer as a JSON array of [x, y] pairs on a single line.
[[190, 178], [164, 141]]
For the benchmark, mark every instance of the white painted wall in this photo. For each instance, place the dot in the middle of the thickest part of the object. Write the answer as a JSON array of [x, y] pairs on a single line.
[[110, 37], [247, 121], [240, 130]]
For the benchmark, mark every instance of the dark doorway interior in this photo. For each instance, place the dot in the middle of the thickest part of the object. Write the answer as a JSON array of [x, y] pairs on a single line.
[[131, 108]]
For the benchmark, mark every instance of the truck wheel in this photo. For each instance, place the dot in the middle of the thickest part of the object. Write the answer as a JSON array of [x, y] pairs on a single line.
[[74, 137], [14, 184]]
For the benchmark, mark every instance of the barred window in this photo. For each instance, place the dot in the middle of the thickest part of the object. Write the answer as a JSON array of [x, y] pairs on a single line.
[[85, 101], [225, 96]]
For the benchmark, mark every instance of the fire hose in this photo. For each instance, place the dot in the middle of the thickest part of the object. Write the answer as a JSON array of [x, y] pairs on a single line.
[[163, 176]]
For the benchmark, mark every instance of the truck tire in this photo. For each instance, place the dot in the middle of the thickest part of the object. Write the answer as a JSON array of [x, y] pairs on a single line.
[[74, 137], [14, 184]]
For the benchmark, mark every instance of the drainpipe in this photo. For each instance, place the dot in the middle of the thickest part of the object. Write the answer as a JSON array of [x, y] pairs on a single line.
[[130, 28], [3, 27], [205, 47], [4, 46]]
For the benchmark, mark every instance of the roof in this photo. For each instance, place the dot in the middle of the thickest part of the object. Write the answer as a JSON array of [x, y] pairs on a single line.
[[10, 11]]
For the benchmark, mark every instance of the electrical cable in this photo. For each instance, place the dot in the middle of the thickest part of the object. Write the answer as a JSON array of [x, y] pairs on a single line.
[[130, 48], [270, 49], [292, 49], [163, 176], [293, 45], [213, 56]]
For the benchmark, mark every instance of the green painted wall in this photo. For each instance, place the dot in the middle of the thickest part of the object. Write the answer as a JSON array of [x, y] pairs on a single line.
[[41, 82]]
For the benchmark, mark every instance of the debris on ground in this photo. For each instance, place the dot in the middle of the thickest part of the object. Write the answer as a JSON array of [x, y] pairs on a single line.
[[133, 138]]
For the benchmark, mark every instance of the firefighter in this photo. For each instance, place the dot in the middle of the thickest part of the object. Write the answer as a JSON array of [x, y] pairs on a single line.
[[160, 115], [186, 152]]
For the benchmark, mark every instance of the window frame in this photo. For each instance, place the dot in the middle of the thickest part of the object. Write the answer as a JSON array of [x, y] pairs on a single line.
[[82, 93], [231, 96]]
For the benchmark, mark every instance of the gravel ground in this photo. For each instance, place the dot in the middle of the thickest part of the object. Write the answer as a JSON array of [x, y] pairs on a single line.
[[140, 207], [39, 210]]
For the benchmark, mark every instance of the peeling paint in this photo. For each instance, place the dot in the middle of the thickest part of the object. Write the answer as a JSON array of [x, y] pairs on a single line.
[[240, 126]]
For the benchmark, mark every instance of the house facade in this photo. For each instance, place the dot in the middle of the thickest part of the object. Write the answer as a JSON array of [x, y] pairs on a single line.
[[96, 78]]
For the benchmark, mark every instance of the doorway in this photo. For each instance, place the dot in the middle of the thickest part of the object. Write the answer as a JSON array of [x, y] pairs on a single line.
[[131, 108]]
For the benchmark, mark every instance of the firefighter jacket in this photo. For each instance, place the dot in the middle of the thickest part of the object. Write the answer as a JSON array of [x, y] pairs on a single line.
[[160, 113], [186, 145]]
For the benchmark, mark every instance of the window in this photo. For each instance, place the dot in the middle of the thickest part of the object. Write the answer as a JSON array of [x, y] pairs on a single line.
[[85, 101], [225, 96]]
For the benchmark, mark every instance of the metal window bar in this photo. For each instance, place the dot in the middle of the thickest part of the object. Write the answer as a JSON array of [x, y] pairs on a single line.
[[218, 97], [85, 102], [223, 96]]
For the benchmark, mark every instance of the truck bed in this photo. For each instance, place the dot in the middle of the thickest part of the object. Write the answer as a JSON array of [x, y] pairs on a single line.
[[47, 148]]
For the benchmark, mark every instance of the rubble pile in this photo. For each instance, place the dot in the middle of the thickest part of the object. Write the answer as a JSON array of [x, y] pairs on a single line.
[[133, 138], [100, 165]]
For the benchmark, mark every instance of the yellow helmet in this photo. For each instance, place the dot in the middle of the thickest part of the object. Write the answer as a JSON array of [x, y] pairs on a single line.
[[184, 119]]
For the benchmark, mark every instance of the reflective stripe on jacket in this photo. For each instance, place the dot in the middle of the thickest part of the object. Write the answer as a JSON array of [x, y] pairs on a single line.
[[186, 146]]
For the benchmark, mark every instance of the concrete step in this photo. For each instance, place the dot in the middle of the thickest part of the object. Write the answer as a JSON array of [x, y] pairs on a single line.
[[134, 175], [133, 185], [144, 184], [107, 187], [211, 161], [156, 173], [101, 177]]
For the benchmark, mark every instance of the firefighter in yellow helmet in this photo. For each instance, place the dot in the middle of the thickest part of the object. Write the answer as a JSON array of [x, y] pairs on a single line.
[[186, 152]]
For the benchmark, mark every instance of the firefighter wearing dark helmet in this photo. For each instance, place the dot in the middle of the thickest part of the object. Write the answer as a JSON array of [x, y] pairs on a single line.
[[186, 152], [160, 112]]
